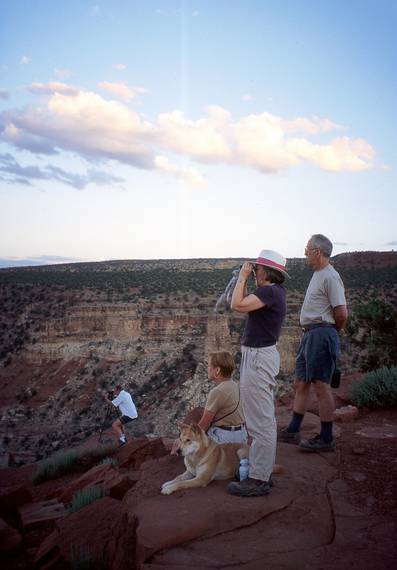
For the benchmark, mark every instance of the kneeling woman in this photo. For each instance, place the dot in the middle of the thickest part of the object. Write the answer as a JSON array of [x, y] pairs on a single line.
[[222, 418]]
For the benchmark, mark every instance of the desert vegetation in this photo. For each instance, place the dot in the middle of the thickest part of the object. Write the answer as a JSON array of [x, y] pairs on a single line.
[[174, 300], [377, 390], [68, 460]]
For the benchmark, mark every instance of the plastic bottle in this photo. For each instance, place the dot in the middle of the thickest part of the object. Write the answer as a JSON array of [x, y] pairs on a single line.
[[244, 469]]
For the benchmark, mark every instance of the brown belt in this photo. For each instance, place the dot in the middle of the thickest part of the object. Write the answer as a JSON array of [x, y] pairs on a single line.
[[231, 428], [316, 326]]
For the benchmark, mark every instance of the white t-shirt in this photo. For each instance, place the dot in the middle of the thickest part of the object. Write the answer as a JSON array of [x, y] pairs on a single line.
[[126, 405], [324, 293]]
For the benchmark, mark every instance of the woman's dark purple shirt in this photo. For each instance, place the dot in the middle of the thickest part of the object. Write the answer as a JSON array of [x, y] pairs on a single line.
[[263, 326]]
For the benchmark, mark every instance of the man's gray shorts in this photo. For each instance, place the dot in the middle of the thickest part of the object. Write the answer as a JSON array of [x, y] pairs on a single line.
[[317, 354]]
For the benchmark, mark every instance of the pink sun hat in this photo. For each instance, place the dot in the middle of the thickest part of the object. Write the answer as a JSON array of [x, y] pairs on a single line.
[[273, 259]]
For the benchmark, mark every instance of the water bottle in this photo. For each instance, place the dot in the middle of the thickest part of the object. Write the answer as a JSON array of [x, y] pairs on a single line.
[[244, 469]]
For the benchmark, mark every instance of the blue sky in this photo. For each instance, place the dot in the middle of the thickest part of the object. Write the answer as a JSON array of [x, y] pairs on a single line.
[[195, 129]]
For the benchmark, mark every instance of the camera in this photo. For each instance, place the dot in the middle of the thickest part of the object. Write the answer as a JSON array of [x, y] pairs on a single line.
[[335, 380]]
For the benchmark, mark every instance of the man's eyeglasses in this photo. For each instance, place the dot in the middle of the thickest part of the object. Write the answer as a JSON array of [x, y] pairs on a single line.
[[311, 248]]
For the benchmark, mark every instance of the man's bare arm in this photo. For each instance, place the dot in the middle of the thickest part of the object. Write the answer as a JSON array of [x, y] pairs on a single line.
[[340, 316]]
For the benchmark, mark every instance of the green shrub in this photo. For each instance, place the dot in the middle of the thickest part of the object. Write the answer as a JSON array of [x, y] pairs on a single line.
[[68, 460], [377, 390], [80, 558], [55, 466], [84, 497], [109, 461]]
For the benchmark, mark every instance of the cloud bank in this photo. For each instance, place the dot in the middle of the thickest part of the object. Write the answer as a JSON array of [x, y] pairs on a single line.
[[86, 123], [14, 173]]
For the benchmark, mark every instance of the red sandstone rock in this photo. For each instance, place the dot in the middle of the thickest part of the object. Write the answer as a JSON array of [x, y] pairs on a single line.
[[14, 496], [137, 451], [169, 522], [346, 414], [168, 442], [106, 476], [41, 513], [10, 539], [104, 530]]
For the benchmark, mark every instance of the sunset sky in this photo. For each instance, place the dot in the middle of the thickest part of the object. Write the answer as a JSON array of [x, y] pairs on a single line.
[[180, 129]]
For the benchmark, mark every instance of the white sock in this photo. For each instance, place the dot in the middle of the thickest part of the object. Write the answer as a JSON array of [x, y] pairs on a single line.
[[122, 438]]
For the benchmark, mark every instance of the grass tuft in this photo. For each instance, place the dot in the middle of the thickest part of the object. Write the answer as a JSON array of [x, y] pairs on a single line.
[[377, 390], [85, 497], [109, 461], [68, 460]]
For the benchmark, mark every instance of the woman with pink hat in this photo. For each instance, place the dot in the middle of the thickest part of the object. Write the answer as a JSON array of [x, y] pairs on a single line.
[[260, 364]]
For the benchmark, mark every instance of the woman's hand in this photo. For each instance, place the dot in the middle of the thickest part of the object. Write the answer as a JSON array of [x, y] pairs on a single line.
[[246, 270]]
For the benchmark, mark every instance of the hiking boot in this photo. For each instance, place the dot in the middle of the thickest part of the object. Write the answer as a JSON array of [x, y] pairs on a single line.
[[249, 488], [288, 436], [316, 445]]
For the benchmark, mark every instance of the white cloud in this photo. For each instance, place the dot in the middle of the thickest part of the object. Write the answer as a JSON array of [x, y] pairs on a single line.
[[195, 13], [120, 66], [4, 94], [247, 97], [202, 139], [24, 60], [341, 154], [188, 175], [85, 123], [121, 90], [62, 73], [52, 87]]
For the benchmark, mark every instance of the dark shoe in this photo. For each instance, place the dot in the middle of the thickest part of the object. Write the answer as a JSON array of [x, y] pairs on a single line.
[[288, 436], [316, 444], [122, 442], [249, 488]]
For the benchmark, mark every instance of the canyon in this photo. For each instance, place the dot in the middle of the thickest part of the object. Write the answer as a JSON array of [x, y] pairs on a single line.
[[70, 333]]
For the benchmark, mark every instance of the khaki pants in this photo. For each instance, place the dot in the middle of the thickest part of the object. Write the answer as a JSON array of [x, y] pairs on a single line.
[[258, 370]]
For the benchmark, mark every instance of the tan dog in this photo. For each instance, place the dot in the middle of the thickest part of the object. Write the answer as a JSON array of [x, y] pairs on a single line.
[[206, 460]]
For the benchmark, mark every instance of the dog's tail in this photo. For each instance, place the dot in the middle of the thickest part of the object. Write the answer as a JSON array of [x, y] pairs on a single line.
[[278, 469]]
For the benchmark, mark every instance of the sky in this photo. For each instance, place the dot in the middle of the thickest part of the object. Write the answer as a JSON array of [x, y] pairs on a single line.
[[195, 129]]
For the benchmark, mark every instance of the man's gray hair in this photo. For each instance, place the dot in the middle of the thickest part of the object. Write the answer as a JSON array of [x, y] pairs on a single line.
[[322, 243]]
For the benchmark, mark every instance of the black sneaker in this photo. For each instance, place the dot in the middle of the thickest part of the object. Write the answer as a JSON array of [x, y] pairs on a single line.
[[288, 436], [317, 445], [249, 488]]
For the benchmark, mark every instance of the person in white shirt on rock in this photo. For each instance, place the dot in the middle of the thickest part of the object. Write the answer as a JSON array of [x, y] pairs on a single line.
[[323, 315], [123, 401]]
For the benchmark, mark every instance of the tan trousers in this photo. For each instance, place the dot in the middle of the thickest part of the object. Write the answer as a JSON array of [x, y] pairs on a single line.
[[258, 370]]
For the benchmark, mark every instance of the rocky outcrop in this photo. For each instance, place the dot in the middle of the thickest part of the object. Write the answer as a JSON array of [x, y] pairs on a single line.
[[325, 509], [101, 534], [10, 539], [114, 483], [121, 331]]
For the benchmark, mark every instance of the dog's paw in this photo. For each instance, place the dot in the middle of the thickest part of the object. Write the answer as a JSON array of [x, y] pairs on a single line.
[[166, 484], [167, 490]]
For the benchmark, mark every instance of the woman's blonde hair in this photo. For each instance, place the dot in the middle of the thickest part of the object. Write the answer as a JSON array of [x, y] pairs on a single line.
[[224, 360]]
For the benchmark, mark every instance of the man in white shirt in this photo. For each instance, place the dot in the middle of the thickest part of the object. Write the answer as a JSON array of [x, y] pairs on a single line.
[[123, 401], [323, 315]]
